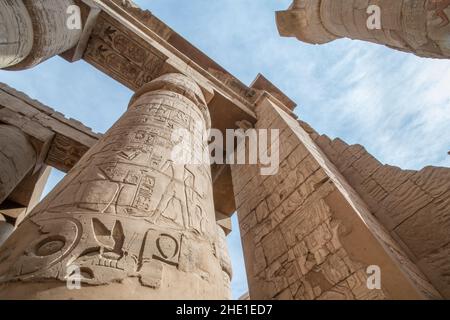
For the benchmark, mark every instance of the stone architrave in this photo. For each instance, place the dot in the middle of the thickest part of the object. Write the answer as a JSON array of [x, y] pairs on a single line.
[[129, 220], [33, 31], [17, 158], [418, 26]]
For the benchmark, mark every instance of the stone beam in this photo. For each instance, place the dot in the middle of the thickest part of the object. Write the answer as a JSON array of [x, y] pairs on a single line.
[[307, 234], [65, 140], [34, 137], [421, 27], [261, 83], [29, 191]]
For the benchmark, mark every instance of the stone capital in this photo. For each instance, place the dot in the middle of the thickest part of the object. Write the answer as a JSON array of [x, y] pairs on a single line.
[[179, 84], [303, 21]]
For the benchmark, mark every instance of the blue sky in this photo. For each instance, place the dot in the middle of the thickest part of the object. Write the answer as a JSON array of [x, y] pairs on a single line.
[[395, 104]]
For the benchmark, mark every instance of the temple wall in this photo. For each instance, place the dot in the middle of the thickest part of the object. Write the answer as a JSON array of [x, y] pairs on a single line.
[[417, 26], [413, 205], [307, 234]]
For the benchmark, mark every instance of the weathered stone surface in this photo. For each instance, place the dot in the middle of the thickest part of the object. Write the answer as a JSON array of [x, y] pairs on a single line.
[[418, 26], [65, 140], [17, 158], [39, 29], [436, 267], [413, 205], [136, 223], [132, 220], [16, 33], [308, 235], [5, 231], [426, 231]]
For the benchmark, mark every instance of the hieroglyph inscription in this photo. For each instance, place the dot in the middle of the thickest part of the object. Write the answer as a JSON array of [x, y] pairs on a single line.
[[126, 209], [122, 55]]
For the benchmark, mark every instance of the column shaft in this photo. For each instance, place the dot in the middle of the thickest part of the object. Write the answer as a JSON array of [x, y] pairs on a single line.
[[5, 229], [130, 219], [16, 33], [17, 158], [34, 31]]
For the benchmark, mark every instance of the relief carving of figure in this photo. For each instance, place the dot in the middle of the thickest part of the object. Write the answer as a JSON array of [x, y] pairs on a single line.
[[173, 200], [194, 203]]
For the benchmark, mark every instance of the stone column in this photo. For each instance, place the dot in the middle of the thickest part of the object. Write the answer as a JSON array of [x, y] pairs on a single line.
[[132, 220], [17, 158], [307, 234], [33, 31], [418, 26]]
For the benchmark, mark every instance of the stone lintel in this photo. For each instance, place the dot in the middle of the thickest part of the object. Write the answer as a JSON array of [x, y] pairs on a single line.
[[70, 139]]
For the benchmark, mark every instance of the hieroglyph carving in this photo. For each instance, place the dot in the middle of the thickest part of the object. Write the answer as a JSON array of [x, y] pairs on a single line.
[[126, 209], [418, 26], [130, 62]]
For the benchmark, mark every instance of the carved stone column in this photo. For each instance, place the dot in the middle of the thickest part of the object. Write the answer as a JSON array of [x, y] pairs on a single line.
[[17, 158], [129, 218], [33, 31], [418, 26]]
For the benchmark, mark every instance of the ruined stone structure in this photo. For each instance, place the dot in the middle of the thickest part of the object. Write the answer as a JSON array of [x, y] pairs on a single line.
[[418, 26], [136, 224]]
